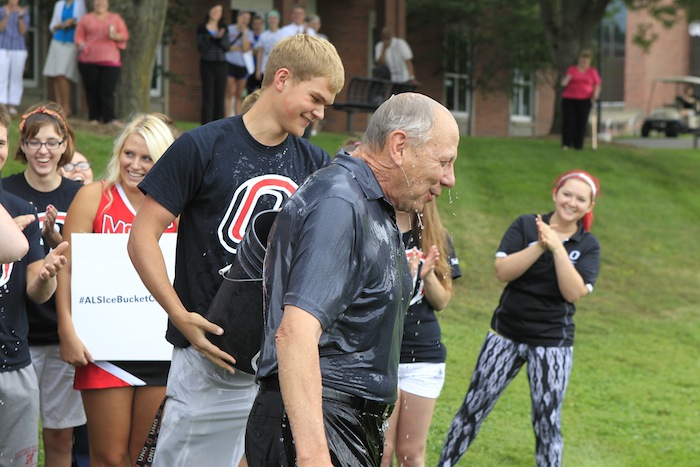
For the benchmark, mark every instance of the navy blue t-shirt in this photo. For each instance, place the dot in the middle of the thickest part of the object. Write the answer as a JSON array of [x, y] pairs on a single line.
[[216, 178], [43, 323], [422, 338], [14, 327], [532, 309], [336, 252]]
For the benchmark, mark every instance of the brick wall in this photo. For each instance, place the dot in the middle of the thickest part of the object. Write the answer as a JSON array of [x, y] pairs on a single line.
[[668, 56], [184, 99], [347, 25]]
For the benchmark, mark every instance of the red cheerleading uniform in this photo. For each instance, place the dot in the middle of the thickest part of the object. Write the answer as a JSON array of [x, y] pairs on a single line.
[[116, 217]]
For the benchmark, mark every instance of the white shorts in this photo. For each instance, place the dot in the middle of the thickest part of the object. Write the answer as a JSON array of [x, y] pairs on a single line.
[[61, 405], [19, 413], [422, 379], [205, 415]]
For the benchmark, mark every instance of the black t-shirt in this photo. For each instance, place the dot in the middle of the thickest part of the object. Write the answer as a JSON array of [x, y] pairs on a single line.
[[14, 327], [532, 309], [43, 324], [217, 177], [336, 252], [422, 338]]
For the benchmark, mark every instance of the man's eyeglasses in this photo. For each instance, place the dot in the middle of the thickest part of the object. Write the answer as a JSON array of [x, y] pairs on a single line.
[[80, 166], [35, 145]]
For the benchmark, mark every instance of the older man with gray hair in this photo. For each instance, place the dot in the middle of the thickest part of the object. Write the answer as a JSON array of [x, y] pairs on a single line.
[[337, 286]]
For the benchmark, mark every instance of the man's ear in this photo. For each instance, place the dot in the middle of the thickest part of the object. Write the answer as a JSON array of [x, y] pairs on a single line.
[[283, 78], [397, 142]]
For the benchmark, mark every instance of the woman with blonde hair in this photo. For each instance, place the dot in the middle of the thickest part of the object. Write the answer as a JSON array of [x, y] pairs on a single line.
[[121, 398], [434, 265]]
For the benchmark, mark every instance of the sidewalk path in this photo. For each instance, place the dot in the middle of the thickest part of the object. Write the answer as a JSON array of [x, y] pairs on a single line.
[[666, 143]]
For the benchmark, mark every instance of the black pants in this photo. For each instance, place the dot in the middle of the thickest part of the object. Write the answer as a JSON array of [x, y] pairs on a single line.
[[574, 114], [354, 430], [213, 75], [100, 84]]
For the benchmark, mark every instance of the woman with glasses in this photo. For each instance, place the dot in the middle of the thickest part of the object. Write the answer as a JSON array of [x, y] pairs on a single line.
[[47, 144], [78, 169]]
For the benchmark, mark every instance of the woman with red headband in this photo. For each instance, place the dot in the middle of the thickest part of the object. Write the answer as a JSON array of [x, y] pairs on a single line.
[[549, 261]]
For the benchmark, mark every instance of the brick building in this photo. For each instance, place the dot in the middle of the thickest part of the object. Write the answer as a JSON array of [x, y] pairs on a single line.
[[354, 27], [351, 25]]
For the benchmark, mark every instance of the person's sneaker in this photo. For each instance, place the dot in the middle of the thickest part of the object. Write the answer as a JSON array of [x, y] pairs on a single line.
[[12, 110]]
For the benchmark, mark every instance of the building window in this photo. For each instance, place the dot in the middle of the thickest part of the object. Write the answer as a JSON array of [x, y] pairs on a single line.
[[157, 75], [611, 43], [31, 39], [523, 91], [457, 85]]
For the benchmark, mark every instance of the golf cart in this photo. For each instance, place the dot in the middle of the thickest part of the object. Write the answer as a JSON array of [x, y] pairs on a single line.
[[681, 116]]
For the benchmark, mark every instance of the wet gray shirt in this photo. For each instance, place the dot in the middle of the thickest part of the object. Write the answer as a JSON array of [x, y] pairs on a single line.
[[335, 251]]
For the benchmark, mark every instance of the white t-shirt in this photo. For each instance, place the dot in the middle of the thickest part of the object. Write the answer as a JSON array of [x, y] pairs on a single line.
[[267, 41], [291, 29], [395, 58]]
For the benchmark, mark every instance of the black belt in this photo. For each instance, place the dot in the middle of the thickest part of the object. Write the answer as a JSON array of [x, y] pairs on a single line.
[[377, 408]]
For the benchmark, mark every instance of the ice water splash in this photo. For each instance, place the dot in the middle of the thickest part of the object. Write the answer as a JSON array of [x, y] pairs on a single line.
[[420, 221]]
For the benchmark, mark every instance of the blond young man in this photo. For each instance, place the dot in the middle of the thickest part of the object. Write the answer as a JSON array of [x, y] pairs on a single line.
[[207, 178]]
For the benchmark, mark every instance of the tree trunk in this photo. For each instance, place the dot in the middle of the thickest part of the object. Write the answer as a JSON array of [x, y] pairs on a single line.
[[569, 27], [145, 20]]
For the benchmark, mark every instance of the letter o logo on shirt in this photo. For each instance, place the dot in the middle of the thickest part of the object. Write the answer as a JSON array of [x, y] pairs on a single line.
[[574, 255]]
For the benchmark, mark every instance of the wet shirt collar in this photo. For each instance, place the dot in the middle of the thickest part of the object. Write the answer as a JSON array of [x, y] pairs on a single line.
[[363, 174]]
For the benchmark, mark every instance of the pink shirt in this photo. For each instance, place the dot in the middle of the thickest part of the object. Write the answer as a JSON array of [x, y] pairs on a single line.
[[99, 49], [582, 84]]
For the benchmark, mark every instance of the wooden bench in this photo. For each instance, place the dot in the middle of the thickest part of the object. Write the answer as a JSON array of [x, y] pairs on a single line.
[[366, 94]]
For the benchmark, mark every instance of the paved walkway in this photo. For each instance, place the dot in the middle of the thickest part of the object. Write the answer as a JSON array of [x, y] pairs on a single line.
[[670, 143]]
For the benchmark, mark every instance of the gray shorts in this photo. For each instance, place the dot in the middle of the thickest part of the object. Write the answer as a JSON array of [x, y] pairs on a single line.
[[61, 405], [19, 416], [205, 415]]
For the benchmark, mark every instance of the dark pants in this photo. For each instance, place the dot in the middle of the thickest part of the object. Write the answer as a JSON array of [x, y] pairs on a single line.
[[100, 84], [574, 114], [500, 360], [213, 75], [354, 430]]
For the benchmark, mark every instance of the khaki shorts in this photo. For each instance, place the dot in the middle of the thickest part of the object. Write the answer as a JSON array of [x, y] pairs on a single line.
[[19, 413], [61, 405], [205, 416]]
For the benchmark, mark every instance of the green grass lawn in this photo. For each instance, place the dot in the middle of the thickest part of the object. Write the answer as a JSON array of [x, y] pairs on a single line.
[[634, 395]]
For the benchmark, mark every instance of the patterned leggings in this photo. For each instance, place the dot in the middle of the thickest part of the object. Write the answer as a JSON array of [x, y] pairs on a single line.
[[548, 370]]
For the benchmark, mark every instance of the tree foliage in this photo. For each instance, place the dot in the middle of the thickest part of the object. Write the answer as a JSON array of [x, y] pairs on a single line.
[[502, 36], [499, 36]]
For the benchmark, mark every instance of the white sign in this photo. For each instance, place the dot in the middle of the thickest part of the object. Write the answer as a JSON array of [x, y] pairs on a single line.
[[114, 314]]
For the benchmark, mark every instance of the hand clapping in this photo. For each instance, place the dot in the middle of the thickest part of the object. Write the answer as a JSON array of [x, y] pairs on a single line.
[[547, 237]]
